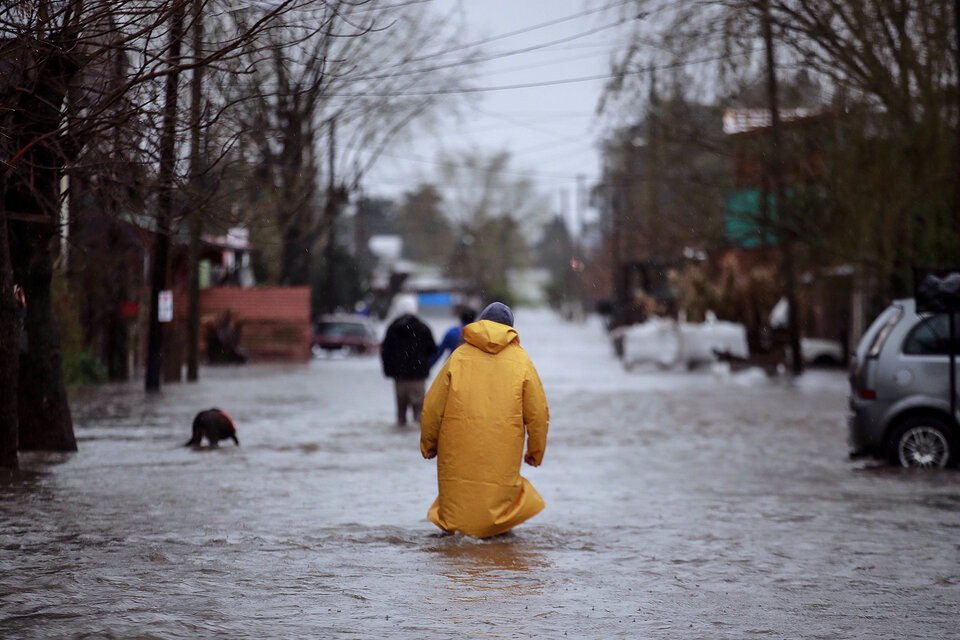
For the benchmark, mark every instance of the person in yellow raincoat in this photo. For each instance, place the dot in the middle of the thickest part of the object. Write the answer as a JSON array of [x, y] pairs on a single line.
[[482, 403]]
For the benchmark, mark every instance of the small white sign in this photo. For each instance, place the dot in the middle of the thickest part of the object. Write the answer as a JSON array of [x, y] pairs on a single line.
[[165, 306]]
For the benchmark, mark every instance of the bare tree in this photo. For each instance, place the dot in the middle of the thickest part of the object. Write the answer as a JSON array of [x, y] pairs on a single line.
[[353, 85], [884, 197], [888, 68], [76, 74]]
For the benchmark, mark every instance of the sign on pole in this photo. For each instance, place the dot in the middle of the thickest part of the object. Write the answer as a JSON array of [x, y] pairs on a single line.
[[165, 306]]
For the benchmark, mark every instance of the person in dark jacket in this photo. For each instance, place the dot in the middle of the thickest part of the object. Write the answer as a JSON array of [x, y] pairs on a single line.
[[405, 352]]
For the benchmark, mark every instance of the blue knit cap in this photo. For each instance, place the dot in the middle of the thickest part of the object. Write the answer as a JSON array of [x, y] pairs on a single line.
[[498, 312]]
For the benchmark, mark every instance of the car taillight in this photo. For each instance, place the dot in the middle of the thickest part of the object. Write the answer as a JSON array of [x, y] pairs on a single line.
[[884, 332], [868, 394]]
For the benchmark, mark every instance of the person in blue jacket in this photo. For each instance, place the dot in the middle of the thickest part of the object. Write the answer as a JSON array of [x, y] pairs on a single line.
[[453, 338]]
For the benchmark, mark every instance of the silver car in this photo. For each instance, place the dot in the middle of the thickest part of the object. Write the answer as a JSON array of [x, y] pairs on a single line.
[[899, 400]]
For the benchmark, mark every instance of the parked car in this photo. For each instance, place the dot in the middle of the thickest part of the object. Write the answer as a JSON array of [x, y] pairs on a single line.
[[344, 333], [817, 352], [899, 390], [822, 352]]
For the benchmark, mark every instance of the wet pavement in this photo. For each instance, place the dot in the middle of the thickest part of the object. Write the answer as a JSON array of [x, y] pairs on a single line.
[[679, 505]]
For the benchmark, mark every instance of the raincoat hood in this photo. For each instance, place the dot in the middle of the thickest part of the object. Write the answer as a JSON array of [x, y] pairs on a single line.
[[490, 336]]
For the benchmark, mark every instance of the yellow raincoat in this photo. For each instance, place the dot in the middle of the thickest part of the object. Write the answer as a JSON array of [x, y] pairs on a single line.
[[474, 418]]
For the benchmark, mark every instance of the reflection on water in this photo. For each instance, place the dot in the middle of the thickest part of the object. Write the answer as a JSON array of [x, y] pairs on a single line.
[[480, 569], [679, 505]]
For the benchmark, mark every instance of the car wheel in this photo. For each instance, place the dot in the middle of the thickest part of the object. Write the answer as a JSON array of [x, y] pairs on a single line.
[[924, 442]]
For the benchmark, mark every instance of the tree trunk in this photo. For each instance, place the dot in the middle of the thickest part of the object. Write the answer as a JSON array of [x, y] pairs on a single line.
[[45, 422], [196, 219], [956, 124], [161, 244], [295, 261], [32, 189], [9, 348], [330, 211]]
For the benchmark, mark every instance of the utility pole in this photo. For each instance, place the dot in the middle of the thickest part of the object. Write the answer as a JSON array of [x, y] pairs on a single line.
[[161, 244], [330, 214], [776, 173], [654, 174], [956, 175], [196, 218], [577, 246]]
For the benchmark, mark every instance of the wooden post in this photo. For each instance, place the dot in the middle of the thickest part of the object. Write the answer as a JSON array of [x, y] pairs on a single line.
[[161, 244], [196, 218]]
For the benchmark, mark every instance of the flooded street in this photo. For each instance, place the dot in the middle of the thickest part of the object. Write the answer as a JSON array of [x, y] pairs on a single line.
[[679, 505]]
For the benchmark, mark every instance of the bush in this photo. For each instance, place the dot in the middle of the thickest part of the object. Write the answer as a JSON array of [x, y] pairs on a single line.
[[84, 368]]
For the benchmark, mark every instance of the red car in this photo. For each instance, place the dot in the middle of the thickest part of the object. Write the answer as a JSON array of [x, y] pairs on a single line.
[[344, 333]]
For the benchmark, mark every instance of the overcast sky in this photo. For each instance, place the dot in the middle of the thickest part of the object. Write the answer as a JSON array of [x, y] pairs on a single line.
[[551, 130]]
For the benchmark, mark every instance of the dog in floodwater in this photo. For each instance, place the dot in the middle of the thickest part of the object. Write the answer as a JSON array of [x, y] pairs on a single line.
[[214, 425]]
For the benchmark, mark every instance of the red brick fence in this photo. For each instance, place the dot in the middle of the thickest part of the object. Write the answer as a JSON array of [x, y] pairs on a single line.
[[275, 321]]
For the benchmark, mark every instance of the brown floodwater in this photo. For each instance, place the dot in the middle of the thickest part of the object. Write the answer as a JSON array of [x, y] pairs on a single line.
[[679, 505]]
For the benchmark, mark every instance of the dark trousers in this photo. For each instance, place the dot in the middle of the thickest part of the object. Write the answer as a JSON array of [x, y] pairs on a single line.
[[409, 395]]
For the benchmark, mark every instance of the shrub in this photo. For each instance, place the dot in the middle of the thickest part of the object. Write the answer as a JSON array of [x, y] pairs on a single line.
[[84, 368]]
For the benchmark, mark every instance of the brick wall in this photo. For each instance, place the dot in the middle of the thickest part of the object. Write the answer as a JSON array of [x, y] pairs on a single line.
[[275, 320]]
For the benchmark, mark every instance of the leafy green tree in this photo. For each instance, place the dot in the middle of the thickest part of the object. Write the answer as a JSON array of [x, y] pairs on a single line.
[[350, 282], [495, 214], [554, 252], [426, 232]]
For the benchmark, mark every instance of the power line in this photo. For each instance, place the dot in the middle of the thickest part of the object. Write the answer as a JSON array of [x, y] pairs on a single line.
[[579, 57], [510, 34], [504, 124], [520, 123], [459, 165], [495, 56], [540, 148], [545, 83], [504, 54]]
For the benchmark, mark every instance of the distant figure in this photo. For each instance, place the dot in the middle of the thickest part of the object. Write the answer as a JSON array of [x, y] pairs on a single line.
[[214, 425], [20, 310], [483, 402], [453, 338], [405, 352], [223, 340]]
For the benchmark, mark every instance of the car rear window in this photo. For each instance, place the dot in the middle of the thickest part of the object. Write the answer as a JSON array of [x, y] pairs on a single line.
[[341, 330], [932, 336]]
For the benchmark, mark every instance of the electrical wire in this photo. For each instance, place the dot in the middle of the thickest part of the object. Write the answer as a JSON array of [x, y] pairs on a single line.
[[545, 83], [460, 165], [494, 56], [519, 123], [510, 34], [580, 57]]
